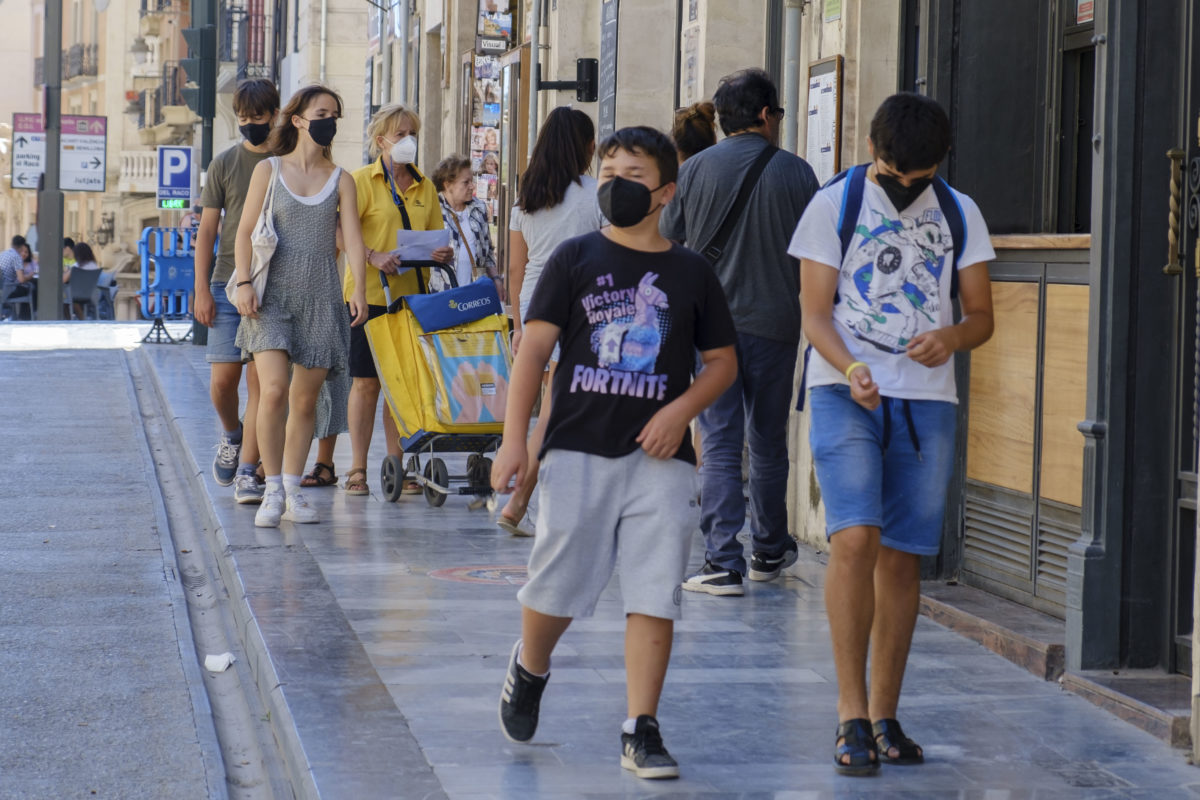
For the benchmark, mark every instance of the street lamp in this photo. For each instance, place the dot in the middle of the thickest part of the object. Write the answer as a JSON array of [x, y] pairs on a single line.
[[104, 234], [140, 50]]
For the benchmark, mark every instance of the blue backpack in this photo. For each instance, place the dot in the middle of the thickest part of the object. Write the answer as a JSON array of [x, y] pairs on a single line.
[[852, 199]]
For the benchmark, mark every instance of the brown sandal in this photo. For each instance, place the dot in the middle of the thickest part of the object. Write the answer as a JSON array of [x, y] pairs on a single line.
[[321, 475], [357, 486]]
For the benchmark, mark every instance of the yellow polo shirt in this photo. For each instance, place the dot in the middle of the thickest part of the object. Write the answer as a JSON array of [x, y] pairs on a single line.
[[381, 219]]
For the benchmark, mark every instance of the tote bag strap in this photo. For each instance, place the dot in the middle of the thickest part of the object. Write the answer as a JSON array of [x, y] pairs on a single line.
[[270, 204], [463, 238]]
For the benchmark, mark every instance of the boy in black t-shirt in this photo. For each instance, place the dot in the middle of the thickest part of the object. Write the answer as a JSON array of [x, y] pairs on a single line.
[[618, 480]]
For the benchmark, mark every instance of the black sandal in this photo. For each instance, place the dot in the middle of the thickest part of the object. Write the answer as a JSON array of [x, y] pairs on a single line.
[[890, 736], [321, 475], [854, 740]]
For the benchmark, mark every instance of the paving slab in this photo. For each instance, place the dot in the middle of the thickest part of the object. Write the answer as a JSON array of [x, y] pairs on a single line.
[[393, 622]]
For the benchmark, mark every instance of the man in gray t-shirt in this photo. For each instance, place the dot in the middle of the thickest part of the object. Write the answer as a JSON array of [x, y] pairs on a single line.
[[255, 102], [762, 284]]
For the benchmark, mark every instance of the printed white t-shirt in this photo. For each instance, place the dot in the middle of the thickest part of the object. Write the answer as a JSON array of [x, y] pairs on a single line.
[[892, 284]]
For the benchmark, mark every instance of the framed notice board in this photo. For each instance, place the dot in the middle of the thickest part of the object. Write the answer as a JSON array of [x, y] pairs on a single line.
[[824, 146]]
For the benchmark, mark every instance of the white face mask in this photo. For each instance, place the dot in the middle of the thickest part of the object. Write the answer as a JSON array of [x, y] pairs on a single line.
[[404, 151]]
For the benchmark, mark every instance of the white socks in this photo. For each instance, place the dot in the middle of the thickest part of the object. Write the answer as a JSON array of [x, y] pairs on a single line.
[[527, 669], [273, 484], [291, 483], [629, 726]]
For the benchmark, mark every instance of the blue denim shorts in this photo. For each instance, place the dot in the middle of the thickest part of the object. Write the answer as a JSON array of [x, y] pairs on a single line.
[[220, 348], [887, 469]]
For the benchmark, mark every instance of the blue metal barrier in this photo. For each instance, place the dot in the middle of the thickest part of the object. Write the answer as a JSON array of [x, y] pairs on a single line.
[[166, 290]]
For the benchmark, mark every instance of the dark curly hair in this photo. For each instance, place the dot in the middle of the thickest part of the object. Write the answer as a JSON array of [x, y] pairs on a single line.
[[741, 97], [644, 140], [695, 129], [910, 132], [448, 169]]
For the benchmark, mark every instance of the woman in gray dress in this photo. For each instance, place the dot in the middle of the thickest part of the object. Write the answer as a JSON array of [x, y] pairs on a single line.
[[301, 319]]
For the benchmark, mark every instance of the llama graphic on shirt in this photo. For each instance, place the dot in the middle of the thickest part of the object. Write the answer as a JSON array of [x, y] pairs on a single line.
[[633, 346], [898, 266], [628, 329]]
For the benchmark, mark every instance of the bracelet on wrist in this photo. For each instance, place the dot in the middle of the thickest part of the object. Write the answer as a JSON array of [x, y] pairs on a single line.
[[240, 284], [853, 367]]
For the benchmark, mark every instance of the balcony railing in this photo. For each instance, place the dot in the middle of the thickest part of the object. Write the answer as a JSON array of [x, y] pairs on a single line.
[[243, 40], [159, 6], [91, 59], [139, 171], [170, 91], [74, 65]]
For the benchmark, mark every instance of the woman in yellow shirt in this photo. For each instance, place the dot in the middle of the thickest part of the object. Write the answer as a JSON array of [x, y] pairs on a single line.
[[392, 195]]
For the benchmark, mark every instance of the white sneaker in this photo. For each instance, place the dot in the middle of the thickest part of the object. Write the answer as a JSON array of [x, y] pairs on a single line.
[[299, 510], [271, 510]]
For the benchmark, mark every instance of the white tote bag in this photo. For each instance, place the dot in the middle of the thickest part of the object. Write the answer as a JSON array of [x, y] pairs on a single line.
[[263, 240]]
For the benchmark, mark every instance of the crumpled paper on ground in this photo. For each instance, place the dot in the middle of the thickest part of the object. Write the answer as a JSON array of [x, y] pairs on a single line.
[[218, 663]]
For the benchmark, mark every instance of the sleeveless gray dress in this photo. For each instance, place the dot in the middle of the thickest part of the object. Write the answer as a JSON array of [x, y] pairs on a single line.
[[302, 312]]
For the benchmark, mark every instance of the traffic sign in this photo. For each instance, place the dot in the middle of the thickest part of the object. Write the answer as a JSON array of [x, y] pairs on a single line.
[[82, 152], [177, 176], [29, 150]]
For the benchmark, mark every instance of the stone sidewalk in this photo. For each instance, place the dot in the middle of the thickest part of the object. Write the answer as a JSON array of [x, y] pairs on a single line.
[[380, 638]]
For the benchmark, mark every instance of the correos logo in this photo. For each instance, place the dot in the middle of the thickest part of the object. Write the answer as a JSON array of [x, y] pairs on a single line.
[[463, 307]]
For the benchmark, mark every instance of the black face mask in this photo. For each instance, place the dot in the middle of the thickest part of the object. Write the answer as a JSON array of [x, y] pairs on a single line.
[[625, 203], [255, 132], [323, 130], [901, 196]]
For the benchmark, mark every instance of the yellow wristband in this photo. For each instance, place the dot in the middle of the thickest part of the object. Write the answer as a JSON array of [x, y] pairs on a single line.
[[853, 367]]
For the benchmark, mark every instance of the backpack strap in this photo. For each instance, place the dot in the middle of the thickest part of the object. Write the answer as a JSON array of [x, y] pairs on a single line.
[[852, 199], [952, 211], [716, 246]]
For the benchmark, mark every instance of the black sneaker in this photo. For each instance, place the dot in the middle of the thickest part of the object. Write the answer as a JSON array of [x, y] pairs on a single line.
[[766, 568], [714, 580], [642, 751], [519, 700]]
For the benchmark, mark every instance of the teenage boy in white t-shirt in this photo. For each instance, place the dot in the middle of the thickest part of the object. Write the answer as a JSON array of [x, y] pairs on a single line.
[[877, 295]]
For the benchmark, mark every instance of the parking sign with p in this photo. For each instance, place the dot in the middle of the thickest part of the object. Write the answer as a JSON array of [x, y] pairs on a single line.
[[177, 182]]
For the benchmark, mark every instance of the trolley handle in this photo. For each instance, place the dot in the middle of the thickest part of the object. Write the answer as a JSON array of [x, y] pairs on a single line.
[[422, 284]]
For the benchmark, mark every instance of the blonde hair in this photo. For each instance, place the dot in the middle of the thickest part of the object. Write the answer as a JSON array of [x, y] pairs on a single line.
[[385, 120]]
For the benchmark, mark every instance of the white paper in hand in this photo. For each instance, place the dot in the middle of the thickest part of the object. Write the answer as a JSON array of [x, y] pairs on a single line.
[[419, 245]]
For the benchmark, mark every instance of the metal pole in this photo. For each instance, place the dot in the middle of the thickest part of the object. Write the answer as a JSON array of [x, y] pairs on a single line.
[[385, 46], [204, 12], [50, 198], [791, 100], [405, 22], [534, 74]]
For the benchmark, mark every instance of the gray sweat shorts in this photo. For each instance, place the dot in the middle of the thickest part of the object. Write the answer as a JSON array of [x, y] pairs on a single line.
[[635, 513]]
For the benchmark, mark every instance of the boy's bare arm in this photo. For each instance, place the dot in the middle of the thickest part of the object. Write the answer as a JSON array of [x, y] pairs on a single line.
[[512, 459], [206, 236], [663, 434], [934, 348]]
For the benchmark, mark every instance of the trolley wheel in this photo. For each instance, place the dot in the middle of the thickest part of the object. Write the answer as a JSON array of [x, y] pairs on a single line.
[[435, 471], [391, 478]]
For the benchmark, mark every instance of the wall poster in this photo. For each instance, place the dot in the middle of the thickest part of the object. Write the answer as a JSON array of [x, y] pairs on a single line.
[[824, 141]]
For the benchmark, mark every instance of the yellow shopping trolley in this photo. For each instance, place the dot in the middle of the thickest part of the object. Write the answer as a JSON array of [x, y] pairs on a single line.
[[443, 361]]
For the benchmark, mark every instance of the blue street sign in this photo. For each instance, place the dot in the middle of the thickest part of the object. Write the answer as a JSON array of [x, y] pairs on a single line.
[[176, 176]]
